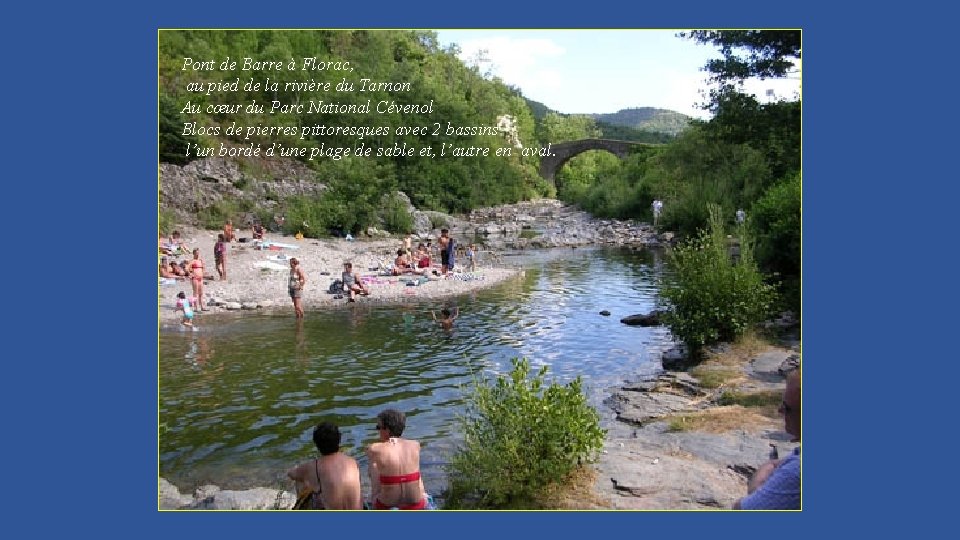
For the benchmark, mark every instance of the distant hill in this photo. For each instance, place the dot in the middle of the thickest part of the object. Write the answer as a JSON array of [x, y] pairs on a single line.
[[646, 119], [641, 124], [538, 109]]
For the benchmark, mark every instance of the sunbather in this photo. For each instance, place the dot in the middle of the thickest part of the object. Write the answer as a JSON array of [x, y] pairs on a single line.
[[352, 284]]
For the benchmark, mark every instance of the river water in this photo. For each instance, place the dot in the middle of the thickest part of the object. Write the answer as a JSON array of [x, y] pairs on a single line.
[[239, 399]]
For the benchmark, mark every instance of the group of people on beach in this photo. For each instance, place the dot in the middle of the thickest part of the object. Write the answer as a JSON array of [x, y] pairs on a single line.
[[332, 481], [193, 269]]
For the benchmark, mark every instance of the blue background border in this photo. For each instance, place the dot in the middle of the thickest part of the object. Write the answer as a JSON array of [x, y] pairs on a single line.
[[95, 410]]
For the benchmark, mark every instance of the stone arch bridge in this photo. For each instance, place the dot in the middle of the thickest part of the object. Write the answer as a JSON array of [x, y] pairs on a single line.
[[562, 153]]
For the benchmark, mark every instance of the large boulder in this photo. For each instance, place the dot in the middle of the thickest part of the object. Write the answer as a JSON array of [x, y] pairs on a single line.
[[649, 319]]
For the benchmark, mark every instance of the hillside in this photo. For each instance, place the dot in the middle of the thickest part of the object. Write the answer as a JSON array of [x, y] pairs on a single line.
[[646, 119], [641, 124]]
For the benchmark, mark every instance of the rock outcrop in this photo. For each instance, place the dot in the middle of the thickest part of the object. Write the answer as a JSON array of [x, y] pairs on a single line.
[[203, 183], [213, 498], [648, 464], [544, 223]]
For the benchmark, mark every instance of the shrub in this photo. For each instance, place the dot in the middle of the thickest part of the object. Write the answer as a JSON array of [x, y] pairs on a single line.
[[321, 214], [519, 437], [166, 220], [438, 222], [776, 218], [396, 218], [214, 216], [711, 297]]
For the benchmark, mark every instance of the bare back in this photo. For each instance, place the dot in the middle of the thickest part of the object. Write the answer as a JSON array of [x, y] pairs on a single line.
[[339, 480], [394, 458]]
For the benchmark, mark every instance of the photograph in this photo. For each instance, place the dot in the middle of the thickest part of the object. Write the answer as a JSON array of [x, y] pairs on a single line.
[[479, 269]]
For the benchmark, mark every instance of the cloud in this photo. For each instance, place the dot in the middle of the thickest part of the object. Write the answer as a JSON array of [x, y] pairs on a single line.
[[522, 62]]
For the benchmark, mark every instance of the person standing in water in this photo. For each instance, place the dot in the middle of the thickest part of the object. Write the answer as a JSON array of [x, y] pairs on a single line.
[[447, 318], [295, 284]]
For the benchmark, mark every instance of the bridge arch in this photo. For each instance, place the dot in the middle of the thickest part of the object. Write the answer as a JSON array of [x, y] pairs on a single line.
[[563, 152]]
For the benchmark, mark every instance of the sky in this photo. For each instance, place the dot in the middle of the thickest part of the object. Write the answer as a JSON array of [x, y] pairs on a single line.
[[603, 71]]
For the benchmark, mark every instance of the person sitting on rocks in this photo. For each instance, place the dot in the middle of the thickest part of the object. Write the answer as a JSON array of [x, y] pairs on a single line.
[[351, 283], [423, 256], [163, 246], [776, 484], [333, 480], [174, 245], [402, 264], [166, 269], [257, 231], [395, 466]]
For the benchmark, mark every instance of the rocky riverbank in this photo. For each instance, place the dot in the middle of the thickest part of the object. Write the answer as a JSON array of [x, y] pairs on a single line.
[[545, 223], [685, 440]]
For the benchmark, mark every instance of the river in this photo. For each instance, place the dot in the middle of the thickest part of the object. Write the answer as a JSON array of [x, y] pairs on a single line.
[[239, 399]]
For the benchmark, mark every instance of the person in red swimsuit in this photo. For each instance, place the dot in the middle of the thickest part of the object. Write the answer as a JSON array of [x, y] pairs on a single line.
[[196, 278], [395, 466]]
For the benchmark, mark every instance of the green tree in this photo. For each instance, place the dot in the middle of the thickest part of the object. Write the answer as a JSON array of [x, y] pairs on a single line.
[[750, 53], [173, 143], [776, 217]]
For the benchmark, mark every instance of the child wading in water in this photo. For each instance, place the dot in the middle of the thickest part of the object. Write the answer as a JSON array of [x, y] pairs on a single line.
[[185, 305], [472, 257], [446, 322]]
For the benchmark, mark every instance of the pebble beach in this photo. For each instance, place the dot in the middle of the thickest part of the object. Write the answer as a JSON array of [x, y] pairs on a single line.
[[257, 276]]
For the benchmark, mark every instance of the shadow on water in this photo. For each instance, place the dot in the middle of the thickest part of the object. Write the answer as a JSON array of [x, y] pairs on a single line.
[[239, 399]]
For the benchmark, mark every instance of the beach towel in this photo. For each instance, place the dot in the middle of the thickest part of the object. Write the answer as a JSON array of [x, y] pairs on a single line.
[[269, 265], [278, 245]]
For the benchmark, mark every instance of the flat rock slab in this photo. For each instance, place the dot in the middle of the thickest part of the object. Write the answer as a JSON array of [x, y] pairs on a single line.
[[765, 368], [638, 408], [660, 470]]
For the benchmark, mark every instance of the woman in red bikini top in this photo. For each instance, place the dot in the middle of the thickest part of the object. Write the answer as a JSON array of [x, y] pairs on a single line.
[[395, 466]]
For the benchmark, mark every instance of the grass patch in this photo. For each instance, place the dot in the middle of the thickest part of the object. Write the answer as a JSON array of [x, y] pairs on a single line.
[[577, 492], [528, 233], [764, 398], [714, 378], [721, 420], [741, 351]]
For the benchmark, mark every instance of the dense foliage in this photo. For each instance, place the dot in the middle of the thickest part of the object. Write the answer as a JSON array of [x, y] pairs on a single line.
[[776, 219], [713, 296], [746, 157], [521, 435], [461, 97]]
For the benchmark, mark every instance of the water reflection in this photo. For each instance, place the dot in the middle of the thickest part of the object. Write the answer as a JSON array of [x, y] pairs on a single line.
[[239, 399]]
